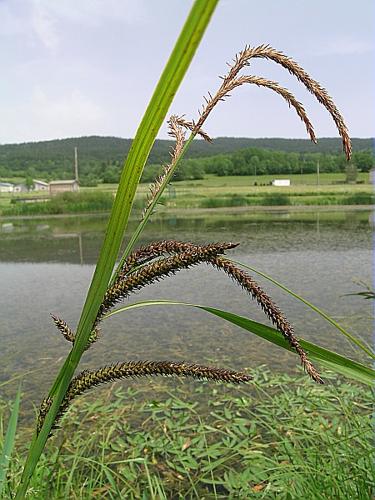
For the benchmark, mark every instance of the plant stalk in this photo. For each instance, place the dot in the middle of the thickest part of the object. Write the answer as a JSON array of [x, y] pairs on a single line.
[[174, 71]]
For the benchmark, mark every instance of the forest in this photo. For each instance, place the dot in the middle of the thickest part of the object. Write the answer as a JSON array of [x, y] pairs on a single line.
[[101, 158]]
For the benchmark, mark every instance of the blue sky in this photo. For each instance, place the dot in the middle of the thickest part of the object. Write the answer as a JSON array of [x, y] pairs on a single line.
[[88, 67]]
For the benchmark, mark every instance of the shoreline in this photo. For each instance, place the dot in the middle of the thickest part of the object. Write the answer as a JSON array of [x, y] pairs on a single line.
[[217, 210]]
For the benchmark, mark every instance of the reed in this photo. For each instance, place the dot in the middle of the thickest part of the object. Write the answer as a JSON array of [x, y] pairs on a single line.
[[148, 265]]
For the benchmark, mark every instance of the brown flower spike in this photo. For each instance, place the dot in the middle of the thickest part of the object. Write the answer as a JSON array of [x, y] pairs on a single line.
[[133, 369], [231, 81], [69, 334], [148, 264], [242, 60]]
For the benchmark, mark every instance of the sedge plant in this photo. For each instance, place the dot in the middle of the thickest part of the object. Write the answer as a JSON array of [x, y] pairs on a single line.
[[146, 265]]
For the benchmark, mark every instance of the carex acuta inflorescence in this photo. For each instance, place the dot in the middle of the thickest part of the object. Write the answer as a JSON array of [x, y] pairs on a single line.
[[152, 263]]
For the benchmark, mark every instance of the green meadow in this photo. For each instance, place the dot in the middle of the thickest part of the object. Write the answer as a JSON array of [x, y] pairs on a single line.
[[210, 192]]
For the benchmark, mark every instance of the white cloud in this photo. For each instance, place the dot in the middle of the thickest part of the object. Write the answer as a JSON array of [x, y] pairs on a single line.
[[11, 23], [345, 47], [65, 115], [93, 12], [44, 25], [47, 116]]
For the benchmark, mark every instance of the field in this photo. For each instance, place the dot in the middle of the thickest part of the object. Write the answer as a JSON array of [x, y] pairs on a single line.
[[296, 180], [215, 192]]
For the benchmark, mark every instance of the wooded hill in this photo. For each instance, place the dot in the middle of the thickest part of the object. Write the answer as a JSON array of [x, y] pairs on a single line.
[[101, 155]]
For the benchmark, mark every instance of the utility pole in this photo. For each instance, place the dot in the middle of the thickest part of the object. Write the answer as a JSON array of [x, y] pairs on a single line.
[[318, 172], [76, 163]]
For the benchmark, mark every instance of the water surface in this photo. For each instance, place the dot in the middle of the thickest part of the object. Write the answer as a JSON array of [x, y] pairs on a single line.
[[46, 266]]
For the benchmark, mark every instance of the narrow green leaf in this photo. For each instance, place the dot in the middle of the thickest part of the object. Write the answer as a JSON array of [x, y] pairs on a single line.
[[139, 229], [324, 315], [9, 440], [332, 360], [156, 111]]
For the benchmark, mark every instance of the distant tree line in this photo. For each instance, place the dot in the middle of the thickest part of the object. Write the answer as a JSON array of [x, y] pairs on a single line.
[[101, 158], [257, 162]]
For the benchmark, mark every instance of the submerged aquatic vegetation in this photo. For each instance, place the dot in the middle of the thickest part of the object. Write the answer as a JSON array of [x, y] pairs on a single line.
[[281, 437], [136, 273], [148, 265]]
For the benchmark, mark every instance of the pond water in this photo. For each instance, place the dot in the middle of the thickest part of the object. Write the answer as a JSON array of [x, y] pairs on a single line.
[[46, 266]]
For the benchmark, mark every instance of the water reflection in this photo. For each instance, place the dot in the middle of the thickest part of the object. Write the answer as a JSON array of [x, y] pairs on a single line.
[[46, 267], [78, 239]]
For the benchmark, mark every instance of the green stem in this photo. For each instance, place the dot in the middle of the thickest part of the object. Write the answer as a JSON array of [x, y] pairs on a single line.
[[156, 111], [136, 234]]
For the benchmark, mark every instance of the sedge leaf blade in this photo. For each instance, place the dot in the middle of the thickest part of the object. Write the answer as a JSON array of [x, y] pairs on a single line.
[[9, 440], [332, 360]]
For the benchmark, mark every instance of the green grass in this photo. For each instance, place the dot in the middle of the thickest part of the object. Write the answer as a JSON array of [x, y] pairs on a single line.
[[232, 191], [211, 192], [276, 198], [64, 203], [13, 180], [281, 437], [7, 443], [248, 180]]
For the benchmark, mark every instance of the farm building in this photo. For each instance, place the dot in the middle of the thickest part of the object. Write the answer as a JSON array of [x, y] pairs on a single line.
[[20, 188], [56, 187], [281, 182], [40, 185], [6, 187]]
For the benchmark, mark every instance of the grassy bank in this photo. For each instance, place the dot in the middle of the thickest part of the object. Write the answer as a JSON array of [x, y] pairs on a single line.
[[268, 199], [281, 437], [63, 203], [215, 192], [243, 181], [211, 192]]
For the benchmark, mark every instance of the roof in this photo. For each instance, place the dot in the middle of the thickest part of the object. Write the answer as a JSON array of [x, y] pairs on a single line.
[[7, 184], [52, 183], [40, 182]]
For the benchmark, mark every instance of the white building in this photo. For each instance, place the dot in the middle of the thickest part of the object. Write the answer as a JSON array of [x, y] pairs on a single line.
[[20, 188], [40, 185], [281, 182], [6, 187]]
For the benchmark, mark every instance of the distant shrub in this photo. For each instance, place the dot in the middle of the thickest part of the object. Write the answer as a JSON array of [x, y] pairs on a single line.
[[89, 181], [237, 201], [360, 199], [234, 200], [275, 199], [62, 203], [139, 203], [214, 202], [151, 172], [322, 200]]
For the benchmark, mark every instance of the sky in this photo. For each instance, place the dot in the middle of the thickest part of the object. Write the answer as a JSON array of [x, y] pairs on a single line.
[[88, 67]]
